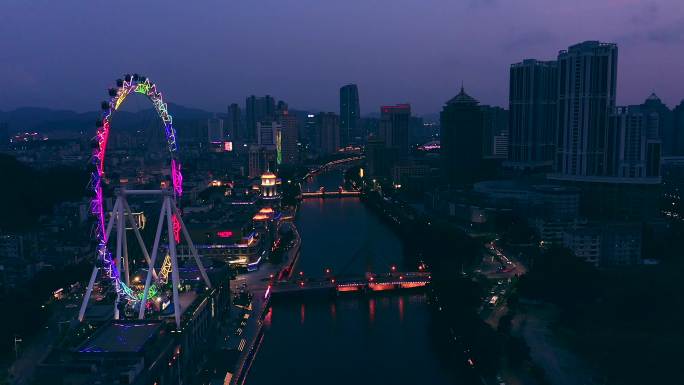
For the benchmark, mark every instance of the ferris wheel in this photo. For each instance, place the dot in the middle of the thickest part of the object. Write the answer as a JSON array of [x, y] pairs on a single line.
[[115, 269]]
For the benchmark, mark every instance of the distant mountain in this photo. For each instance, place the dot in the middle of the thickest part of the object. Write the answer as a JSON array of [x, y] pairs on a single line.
[[64, 123]]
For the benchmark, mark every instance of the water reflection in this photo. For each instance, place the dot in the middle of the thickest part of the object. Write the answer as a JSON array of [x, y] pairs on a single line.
[[349, 339]]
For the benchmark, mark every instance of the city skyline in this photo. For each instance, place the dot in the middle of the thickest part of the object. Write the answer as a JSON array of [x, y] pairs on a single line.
[[233, 66], [479, 192]]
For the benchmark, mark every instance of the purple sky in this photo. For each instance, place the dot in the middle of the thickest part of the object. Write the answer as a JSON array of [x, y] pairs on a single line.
[[208, 53]]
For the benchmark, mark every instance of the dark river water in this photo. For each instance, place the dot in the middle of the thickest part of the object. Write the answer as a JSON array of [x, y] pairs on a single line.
[[378, 339]]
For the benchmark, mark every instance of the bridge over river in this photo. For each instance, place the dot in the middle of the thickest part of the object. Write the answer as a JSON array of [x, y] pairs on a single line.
[[365, 284], [321, 193]]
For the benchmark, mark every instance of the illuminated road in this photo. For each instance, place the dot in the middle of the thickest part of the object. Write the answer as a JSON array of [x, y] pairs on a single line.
[[257, 283]]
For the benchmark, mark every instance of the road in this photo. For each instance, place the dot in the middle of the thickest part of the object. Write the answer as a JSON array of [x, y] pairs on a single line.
[[247, 335]]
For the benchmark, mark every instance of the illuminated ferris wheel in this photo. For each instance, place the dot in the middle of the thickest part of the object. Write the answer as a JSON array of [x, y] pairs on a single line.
[[115, 268]]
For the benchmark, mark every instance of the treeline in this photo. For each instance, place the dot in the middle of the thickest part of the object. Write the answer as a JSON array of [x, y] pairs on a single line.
[[27, 309], [627, 322], [458, 331], [28, 193]]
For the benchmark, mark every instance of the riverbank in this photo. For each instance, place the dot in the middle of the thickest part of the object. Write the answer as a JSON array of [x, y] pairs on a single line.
[[451, 254], [257, 283]]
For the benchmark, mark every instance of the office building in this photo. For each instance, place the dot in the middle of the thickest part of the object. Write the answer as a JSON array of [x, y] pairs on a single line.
[[349, 114], [261, 159], [328, 125], [494, 131], [379, 158], [533, 94], [215, 130], [234, 124], [289, 138], [394, 127], [258, 109], [310, 133], [269, 132]]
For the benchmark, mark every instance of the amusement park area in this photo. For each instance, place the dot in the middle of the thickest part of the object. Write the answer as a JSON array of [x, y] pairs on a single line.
[[133, 264]]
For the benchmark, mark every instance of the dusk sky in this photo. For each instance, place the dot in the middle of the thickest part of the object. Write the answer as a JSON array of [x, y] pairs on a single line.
[[206, 54]]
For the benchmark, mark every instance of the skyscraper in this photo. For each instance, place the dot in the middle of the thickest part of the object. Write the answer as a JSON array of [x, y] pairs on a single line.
[[257, 109], [289, 137], [328, 132], [349, 114], [533, 95], [234, 123], [587, 75], [215, 130], [461, 139], [394, 127], [269, 132], [261, 159], [494, 130], [310, 137]]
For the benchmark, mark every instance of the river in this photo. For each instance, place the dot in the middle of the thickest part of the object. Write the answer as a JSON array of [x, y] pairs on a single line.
[[382, 339]]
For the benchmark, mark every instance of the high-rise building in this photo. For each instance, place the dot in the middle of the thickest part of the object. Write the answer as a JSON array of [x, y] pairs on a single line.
[[215, 130], [633, 149], [310, 133], [394, 127], [257, 109], [379, 157], [289, 139], [349, 114], [533, 97], [268, 133], [370, 126], [281, 107], [328, 124], [494, 129], [261, 159], [500, 147], [4, 135], [234, 124], [587, 76], [461, 139], [675, 140]]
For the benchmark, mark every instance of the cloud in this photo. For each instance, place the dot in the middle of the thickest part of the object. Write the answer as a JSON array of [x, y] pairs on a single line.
[[672, 33], [645, 14], [482, 3], [669, 34], [523, 41]]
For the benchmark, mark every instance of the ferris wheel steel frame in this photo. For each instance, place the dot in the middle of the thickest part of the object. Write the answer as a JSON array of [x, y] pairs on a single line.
[[110, 266]]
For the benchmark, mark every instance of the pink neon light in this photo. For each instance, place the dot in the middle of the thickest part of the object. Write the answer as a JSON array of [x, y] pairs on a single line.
[[176, 228], [177, 177], [225, 234]]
